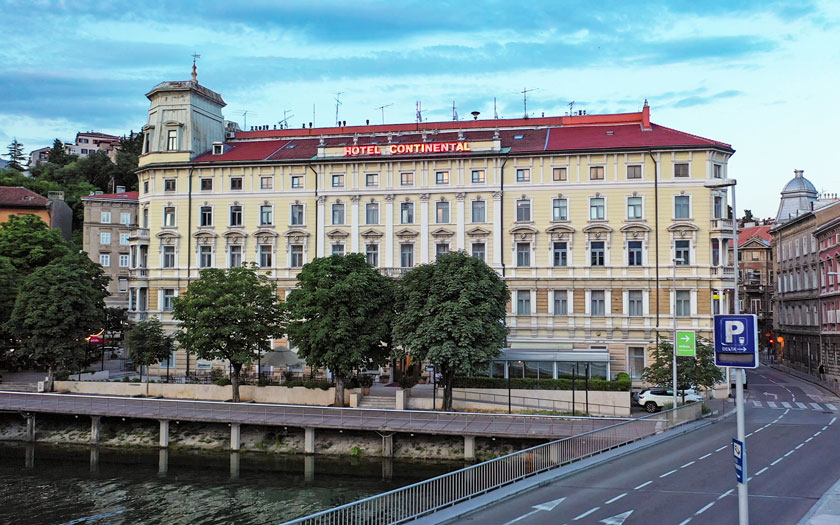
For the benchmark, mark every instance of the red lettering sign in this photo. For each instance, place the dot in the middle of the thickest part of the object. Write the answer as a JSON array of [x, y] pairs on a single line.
[[403, 149]]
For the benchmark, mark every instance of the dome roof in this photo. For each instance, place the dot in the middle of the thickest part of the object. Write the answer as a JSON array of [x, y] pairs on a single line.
[[799, 183], [797, 197]]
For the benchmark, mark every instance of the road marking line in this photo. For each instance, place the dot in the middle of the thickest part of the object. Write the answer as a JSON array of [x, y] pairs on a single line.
[[757, 404], [817, 433], [760, 472], [668, 473], [615, 499], [587, 513], [824, 428], [645, 484], [728, 492], [830, 406], [704, 509], [789, 452], [749, 479], [785, 412], [771, 464], [816, 406], [786, 404], [748, 435], [704, 457], [771, 404], [801, 405], [756, 431], [721, 448], [809, 439], [799, 446], [683, 522], [832, 420], [688, 464]]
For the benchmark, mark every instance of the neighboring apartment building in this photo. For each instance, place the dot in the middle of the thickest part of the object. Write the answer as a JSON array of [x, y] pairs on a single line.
[[564, 208], [17, 200], [39, 156], [757, 278], [828, 307], [109, 219], [90, 142]]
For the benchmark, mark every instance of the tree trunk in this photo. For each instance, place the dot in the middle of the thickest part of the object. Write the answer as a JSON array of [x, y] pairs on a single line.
[[50, 378], [339, 390], [448, 380], [234, 380]]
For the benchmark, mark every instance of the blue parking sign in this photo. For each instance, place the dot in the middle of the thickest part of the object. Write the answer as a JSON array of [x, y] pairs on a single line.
[[736, 341]]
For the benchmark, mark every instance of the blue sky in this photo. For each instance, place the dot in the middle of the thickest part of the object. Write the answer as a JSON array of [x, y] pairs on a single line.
[[760, 75]]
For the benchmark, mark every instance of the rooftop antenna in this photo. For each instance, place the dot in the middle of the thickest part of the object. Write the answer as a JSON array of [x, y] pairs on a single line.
[[419, 112], [525, 92], [571, 108], [337, 103], [244, 114], [382, 110], [454, 112], [285, 121], [194, 73], [495, 113], [313, 113]]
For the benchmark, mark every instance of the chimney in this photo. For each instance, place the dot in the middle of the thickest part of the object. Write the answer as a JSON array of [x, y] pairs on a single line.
[[646, 117]]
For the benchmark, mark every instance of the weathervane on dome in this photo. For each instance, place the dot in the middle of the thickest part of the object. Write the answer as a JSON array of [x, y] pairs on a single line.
[[194, 73]]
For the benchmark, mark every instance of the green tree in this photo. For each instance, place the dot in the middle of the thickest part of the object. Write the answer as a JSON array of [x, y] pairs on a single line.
[[340, 316], [16, 156], [57, 154], [148, 344], [229, 315], [692, 372], [451, 313], [9, 282], [115, 320], [58, 306], [29, 243]]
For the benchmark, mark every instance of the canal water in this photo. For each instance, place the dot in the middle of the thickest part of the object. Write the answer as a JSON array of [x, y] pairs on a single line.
[[50, 484]]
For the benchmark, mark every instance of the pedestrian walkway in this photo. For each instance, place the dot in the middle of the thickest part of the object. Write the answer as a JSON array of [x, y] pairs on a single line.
[[782, 405]]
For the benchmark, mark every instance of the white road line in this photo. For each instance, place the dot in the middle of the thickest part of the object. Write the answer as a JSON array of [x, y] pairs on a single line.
[[721, 448], [824, 428], [704, 509], [788, 453], [771, 404], [757, 404], [817, 433], [615, 499], [748, 435], [728, 492], [785, 412], [688, 464], [816, 406], [760, 472], [667, 473], [799, 446], [756, 431], [801, 405], [645, 484], [831, 407], [704, 457], [785, 404], [771, 464], [587, 513], [832, 421], [683, 522], [809, 439]]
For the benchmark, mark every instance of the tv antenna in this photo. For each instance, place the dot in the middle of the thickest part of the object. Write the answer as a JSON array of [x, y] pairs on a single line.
[[419, 112], [525, 92], [337, 103], [571, 108], [495, 113], [244, 114], [285, 122], [454, 112], [382, 110]]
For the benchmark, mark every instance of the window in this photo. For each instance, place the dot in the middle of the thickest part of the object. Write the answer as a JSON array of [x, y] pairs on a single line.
[[125, 219], [560, 210], [441, 249], [718, 211], [372, 254], [406, 213], [236, 183], [266, 183], [297, 215], [523, 302], [478, 211], [634, 172], [206, 184], [122, 284], [146, 186], [636, 360], [337, 249], [124, 239], [205, 256], [338, 214], [523, 210], [683, 298], [682, 253], [105, 217], [596, 173], [105, 260], [681, 170], [168, 253], [478, 249], [168, 299], [205, 217], [634, 207], [523, 254], [560, 253], [169, 216], [682, 207], [523, 175], [597, 303], [478, 176], [297, 181], [634, 253], [596, 253], [371, 180], [145, 217], [596, 208], [236, 215], [168, 184], [558, 174], [561, 302], [371, 213], [84, 151], [218, 149], [406, 179], [442, 177], [172, 140], [124, 260], [441, 212], [406, 255], [634, 303], [266, 214], [104, 238], [235, 255]]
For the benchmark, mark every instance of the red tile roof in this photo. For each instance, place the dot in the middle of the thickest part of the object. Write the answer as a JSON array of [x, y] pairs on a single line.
[[124, 196], [20, 197], [761, 232]]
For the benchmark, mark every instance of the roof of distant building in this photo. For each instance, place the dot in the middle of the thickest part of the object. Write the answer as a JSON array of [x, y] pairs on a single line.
[[124, 196], [96, 134], [20, 197], [760, 233]]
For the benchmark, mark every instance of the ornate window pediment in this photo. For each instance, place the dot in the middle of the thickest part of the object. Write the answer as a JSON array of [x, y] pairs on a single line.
[[168, 234], [635, 227], [523, 228], [603, 229], [442, 232], [560, 232], [405, 232], [371, 233], [678, 226], [337, 234], [478, 231]]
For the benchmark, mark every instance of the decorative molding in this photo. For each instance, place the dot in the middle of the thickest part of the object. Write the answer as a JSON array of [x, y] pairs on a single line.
[[424, 197], [355, 198], [460, 196]]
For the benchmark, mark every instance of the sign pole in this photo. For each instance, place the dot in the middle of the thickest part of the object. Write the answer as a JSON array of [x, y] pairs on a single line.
[[743, 503]]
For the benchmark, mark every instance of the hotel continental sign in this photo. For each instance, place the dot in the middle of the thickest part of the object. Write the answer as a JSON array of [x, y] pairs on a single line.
[[601, 225]]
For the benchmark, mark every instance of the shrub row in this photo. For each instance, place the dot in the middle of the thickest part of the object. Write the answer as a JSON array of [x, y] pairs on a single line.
[[323, 385], [619, 385]]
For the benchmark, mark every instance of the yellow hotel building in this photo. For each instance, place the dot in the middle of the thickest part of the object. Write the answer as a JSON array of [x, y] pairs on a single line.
[[602, 225]]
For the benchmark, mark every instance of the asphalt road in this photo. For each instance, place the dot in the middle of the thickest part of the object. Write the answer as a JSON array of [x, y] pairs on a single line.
[[793, 457]]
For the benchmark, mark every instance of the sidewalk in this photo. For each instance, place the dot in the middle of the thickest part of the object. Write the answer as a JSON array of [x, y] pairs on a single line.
[[831, 386]]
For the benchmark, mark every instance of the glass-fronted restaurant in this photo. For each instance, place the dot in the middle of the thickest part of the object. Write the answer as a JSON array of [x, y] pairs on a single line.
[[543, 364]]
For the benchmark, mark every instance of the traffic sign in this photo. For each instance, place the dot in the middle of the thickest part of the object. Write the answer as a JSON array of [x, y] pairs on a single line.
[[736, 341], [738, 453], [686, 343]]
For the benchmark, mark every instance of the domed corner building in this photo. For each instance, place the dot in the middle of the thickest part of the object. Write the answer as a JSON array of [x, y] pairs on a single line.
[[805, 306]]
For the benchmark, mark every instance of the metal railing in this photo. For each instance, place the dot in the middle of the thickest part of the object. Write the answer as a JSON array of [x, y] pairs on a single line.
[[413, 501]]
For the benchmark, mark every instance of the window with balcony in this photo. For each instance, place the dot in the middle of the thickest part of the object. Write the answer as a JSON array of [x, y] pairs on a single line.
[[266, 215], [558, 174], [205, 256], [523, 254], [478, 176], [236, 215], [406, 255], [561, 302], [523, 175], [442, 212], [682, 207], [523, 302], [597, 252], [718, 207], [560, 253], [372, 254], [683, 299], [168, 254], [478, 211], [296, 255], [597, 303], [372, 213], [406, 213], [635, 303], [296, 216], [596, 173], [634, 253], [205, 217], [338, 214], [523, 210], [717, 171], [634, 207], [597, 207], [478, 250], [560, 209]]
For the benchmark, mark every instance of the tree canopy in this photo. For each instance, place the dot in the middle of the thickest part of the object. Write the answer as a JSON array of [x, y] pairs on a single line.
[[229, 315], [147, 343], [30, 243], [692, 372], [340, 316], [451, 313], [9, 283], [58, 155], [16, 157]]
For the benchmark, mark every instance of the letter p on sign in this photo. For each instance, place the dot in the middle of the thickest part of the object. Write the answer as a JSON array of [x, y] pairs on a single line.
[[731, 329]]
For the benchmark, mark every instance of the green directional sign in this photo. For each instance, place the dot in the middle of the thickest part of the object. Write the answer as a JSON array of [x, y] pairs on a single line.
[[685, 343]]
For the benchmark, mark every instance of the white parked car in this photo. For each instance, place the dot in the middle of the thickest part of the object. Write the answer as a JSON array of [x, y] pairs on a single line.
[[654, 399]]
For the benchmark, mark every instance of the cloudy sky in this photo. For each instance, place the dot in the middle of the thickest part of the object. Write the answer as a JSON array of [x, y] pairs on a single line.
[[761, 75]]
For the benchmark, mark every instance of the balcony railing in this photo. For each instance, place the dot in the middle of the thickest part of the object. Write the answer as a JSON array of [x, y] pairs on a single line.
[[141, 234], [721, 224], [723, 271], [138, 273], [394, 272]]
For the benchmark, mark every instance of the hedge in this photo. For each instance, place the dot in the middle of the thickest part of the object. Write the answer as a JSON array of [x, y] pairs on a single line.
[[520, 383], [323, 385]]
